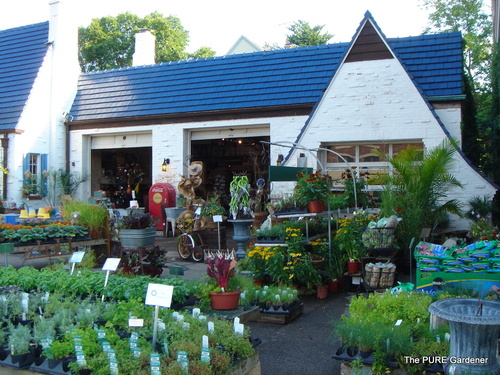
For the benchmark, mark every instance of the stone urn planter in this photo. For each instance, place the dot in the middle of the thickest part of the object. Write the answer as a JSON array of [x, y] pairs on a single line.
[[474, 328], [240, 234]]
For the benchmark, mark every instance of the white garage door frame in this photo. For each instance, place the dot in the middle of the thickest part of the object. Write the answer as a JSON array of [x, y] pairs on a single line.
[[246, 131], [121, 140]]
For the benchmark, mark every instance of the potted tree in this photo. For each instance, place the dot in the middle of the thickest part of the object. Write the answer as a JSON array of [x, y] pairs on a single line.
[[221, 268], [137, 230], [240, 212]]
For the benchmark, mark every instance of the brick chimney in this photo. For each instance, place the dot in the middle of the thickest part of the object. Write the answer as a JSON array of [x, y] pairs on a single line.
[[144, 48]]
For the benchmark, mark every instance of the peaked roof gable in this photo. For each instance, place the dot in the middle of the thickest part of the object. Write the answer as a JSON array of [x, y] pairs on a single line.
[[270, 79], [243, 45], [22, 51], [368, 45]]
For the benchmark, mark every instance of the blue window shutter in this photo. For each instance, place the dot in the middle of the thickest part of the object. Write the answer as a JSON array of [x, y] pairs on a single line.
[[26, 167], [44, 167]]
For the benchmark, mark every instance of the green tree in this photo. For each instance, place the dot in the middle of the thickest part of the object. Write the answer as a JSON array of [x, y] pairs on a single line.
[[417, 190], [467, 16], [108, 42], [304, 35]]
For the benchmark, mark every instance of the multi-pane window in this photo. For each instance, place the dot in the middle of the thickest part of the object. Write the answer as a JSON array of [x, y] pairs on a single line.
[[366, 158], [35, 174]]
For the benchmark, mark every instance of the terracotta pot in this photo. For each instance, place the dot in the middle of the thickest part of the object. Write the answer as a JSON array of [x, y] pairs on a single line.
[[225, 301], [333, 286], [322, 291], [258, 282], [316, 206], [353, 266]]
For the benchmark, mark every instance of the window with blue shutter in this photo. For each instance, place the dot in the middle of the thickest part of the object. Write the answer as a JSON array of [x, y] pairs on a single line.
[[35, 172]]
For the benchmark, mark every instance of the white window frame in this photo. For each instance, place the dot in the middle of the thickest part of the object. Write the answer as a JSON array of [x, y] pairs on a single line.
[[362, 166]]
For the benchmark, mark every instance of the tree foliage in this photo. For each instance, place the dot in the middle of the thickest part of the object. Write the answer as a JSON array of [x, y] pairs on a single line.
[[304, 35], [469, 17], [108, 42]]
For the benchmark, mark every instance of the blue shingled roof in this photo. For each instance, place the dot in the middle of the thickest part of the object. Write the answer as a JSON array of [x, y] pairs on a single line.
[[22, 50], [262, 79]]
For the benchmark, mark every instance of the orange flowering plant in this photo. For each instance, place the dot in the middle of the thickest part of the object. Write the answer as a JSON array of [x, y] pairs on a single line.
[[313, 187]]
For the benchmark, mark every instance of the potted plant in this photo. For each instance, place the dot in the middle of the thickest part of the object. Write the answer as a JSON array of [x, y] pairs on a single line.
[[221, 269], [208, 209], [349, 238], [259, 203], [19, 345], [93, 217], [313, 190], [137, 230], [239, 210]]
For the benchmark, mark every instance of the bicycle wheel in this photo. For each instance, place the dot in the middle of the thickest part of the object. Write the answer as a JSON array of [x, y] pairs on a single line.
[[198, 254], [184, 246]]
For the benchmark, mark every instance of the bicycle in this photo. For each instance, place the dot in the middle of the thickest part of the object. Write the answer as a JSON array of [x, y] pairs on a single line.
[[190, 245]]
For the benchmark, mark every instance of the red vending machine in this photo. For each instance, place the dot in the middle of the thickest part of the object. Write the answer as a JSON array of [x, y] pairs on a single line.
[[161, 195]]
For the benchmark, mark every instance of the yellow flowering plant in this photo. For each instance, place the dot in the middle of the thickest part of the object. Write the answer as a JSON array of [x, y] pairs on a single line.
[[257, 260], [291, 264], [349, 234]]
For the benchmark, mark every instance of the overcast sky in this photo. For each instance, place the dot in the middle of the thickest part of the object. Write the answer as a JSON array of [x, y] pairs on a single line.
[[219, 23]]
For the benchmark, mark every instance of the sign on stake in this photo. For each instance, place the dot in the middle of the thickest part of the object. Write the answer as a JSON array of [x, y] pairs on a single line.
[[158, 295], [76, 257], [111, 264]]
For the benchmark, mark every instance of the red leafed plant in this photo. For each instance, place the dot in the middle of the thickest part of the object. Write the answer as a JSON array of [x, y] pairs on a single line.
[[221, 267]]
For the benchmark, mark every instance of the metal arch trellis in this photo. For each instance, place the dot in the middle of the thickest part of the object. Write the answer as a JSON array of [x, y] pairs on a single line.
[[298, 146], [293, 145]]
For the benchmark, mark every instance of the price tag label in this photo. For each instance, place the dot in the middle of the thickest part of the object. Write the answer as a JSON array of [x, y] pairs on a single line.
[[136, 322], [159, 295], [217, 218]]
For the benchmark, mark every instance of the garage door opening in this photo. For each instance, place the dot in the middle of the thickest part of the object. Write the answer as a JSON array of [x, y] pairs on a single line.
[[122, 173], [222, 158]]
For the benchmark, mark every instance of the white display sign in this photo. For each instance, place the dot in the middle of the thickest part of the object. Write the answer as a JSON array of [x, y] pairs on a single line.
[[159, 295], [76, 257], [111, 264], [217, 219]]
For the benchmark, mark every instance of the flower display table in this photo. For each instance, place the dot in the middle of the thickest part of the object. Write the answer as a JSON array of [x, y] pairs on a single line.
[[49, 250]]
